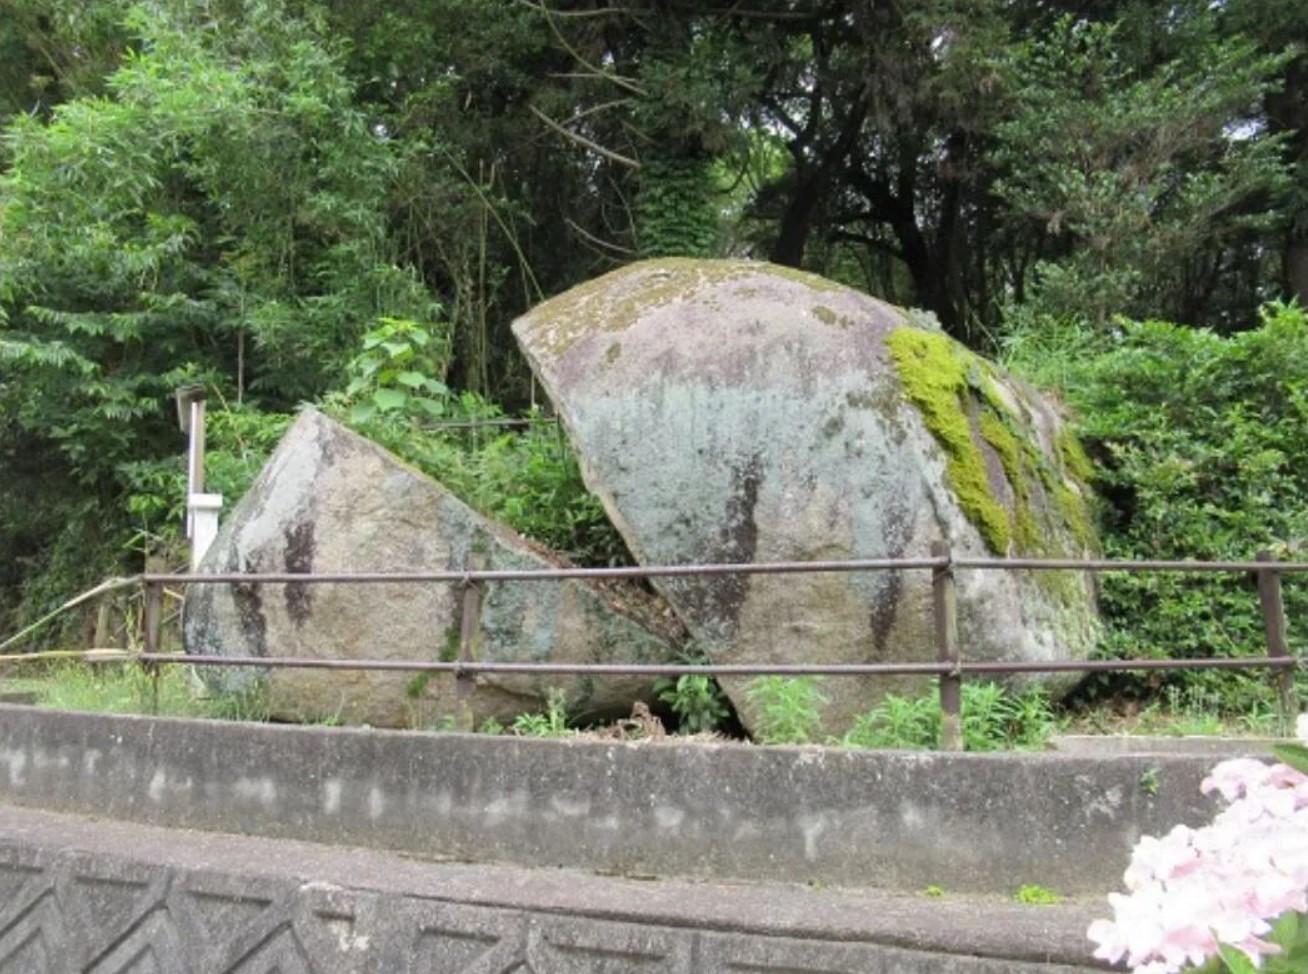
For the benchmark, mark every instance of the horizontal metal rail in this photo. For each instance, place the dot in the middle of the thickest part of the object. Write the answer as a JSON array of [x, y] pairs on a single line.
[[949, 668], [763, 568], [709, 669]]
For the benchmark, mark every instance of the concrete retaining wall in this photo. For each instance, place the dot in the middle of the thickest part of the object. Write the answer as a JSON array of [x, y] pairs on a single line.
[[109, 898], [985, 823]]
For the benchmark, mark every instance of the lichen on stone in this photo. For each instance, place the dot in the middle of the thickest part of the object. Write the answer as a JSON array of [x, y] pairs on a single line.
[[593, 307]]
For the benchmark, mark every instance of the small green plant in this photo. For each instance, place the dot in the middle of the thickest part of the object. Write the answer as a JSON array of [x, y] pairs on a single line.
[[994, 719], [552, 723], [123, 688], [902, 723], [491, 726], [935, 892], [397, 372], [1149, 781], [696, 700], [1037, 895], [417, 686], [788, 708]]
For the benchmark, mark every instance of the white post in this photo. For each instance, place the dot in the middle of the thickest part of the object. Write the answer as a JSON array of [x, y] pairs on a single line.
[[202, 513], [201, 508]]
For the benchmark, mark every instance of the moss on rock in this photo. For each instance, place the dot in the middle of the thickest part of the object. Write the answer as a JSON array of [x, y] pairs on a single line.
[[956, 393], [935, 377]]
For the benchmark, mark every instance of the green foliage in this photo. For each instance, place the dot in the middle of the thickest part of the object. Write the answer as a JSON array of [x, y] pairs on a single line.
[[1037, 895], [898, 722], [400, 370], [1149, 781], [213, 210], [697, 701], [552, 723], [1202, 443], [530, 480], [1124, 157], [994, 719], [676, 209], [1294, 755], [787, 708], [124, 688]]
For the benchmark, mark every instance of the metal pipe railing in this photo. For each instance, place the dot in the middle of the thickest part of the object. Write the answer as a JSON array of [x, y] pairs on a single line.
[[949, 667]]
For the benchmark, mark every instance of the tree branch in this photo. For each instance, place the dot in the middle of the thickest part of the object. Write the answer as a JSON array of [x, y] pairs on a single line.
[[581, 140]]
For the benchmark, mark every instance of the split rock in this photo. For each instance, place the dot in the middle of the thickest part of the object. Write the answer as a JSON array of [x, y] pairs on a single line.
[[733, 411], [331, 501]]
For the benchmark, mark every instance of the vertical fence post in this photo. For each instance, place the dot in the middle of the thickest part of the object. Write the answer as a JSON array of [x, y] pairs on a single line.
[[154, 599], [1269, 599], [469, 628], [944, 602], [154, 594]]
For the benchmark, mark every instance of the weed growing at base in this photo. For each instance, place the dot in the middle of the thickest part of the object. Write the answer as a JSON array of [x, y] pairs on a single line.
[[118, 688], [696, 700], [994, 719], [788, 709], [552, 723], [1037, 895]]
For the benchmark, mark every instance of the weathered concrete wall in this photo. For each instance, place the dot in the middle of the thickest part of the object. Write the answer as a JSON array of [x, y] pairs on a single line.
[[722, 812], [86, 895]]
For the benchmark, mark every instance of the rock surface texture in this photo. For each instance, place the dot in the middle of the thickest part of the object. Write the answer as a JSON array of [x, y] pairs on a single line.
[[731, 411], [331, 501]]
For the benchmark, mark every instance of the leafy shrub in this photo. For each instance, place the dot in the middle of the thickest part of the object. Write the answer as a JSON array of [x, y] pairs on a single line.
[[696, 700], [552, 723], [994, 719], [528, 479], [788, 708], [909, 723], [1202, 449]]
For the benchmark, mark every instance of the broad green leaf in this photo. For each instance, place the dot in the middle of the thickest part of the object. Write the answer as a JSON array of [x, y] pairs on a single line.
[[1295, 755], [1236, 962], [388, 400], [432, 407], [414, 380]]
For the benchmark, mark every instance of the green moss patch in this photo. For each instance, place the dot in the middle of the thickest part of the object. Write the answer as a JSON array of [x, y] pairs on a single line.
[[935, 377], [956, 394]]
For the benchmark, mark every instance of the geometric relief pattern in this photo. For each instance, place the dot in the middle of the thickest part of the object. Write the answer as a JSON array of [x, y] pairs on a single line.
[[63, 913]]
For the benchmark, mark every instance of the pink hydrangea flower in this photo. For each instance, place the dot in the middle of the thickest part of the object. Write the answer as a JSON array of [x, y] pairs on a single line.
[[1225, 883]]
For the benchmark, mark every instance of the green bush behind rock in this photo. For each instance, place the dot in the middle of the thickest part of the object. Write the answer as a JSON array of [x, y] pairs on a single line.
[[1200, 445]]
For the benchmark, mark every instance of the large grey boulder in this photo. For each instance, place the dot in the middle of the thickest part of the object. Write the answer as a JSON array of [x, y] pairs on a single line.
[[331, 501], [731, 411]]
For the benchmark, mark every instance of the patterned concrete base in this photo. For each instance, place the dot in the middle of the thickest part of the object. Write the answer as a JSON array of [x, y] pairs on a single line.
[[78, 894]]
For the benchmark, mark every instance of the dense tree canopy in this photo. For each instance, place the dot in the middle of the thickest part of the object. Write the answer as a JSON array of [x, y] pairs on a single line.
[[238, 191]]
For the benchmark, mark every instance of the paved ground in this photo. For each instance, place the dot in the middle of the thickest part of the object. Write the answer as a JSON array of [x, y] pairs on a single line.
[[79, 893]]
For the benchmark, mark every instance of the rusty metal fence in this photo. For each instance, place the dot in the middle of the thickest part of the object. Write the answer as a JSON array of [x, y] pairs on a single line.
[[950, 666]]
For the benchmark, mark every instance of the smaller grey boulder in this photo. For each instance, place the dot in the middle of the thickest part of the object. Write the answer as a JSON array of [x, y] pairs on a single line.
[[331, 501]]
